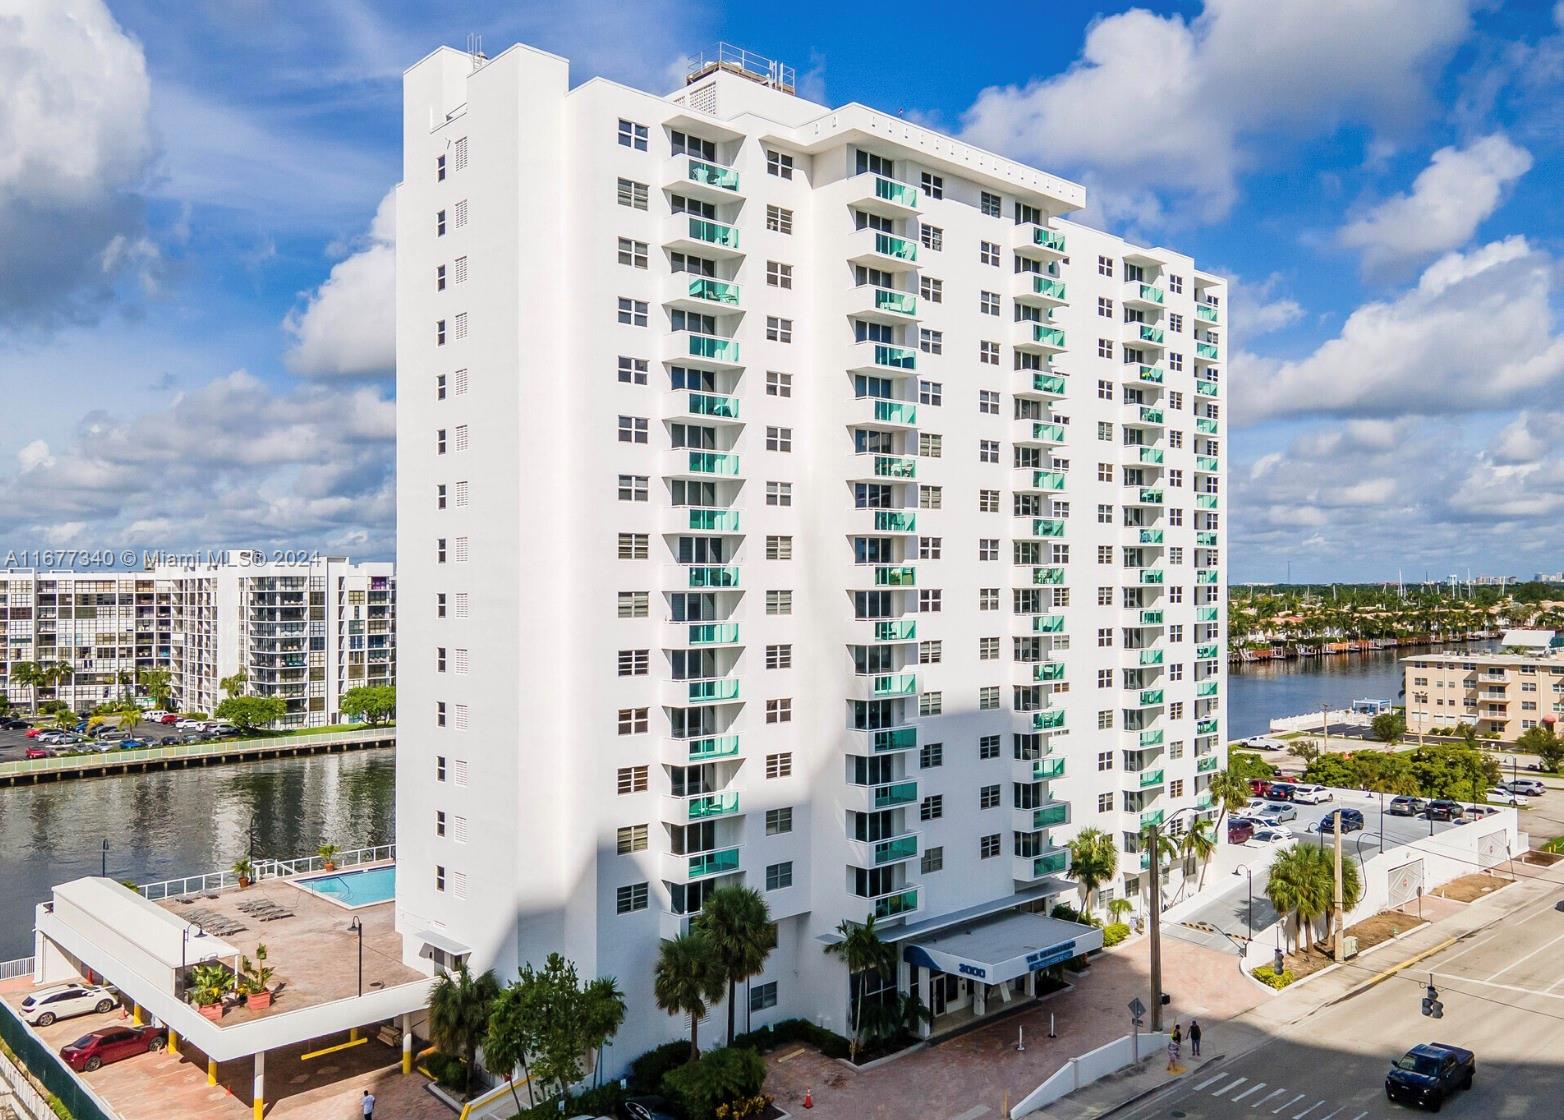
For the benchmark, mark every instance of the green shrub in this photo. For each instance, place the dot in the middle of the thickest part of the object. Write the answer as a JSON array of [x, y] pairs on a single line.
[[647, 1071], [718, 1077], [765, 1039], [1268, 977], [1113, 933], [447, 1070]]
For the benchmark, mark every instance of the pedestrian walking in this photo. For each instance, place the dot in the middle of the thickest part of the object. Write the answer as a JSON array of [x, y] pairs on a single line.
[[1172, 1053], [368, 1104], [1194, 1037]]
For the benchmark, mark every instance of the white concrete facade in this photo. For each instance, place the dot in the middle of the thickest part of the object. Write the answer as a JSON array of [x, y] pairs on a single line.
[[306, 632], [776, 506]]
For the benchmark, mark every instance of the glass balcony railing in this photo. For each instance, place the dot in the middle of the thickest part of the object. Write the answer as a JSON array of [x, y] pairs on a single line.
[[893, 739], [713, 348], [1205, 539], [902, 575], [716, 291], [1147, 293], [1048, 286], [1205, 350], [899, 303], [1050, 816], [713, 577], [1151, 455], [1047, 336], [1150, 496], [1048, 383], [903, 902], [1151, 536], [1205, 313], [894, 794], [895, 850], [1205, 689], [1048, 239], [1048, 433], [1151, 817], [1205, 727], [1048, 671], [1151, 657], [1206, 763], [1151, 618], [900, 248], [1145, 861], [711, 805], [895, 357], [712, 404], [1150, 697], [1206, 425], [1047, 527], [895, 684], [713, 633], [899, 193], [1151, 738], [895, 521], [895, 466], [714, 462], [1205, 388], [1048, 624], [714, 520], [896, 630], [1205, 501], [712, 175], [1208, 652], [1152, 374], [1150, 778], [713, 233], [716, 746], [1048, 576], [895, 412], [1149, 415], [1205, 614], [1051, 864], [1048, 769], [1050, 720], [1204, 800], [1205, 575], [714, 863], [1150, 334], [713, 691], [1048, 480]]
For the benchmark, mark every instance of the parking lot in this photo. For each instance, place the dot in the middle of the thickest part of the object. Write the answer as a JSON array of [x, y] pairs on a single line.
[[13, 744]]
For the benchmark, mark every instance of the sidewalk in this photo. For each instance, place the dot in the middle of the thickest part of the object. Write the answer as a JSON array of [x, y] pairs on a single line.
[[1258, 1025]]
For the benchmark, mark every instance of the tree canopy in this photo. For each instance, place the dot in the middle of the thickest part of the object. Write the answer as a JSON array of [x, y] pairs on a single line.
[[374, 704]]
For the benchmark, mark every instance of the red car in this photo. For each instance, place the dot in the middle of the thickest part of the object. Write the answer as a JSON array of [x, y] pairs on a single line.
[[34, 732], [171, 717], [37, 752], [110, 1044]]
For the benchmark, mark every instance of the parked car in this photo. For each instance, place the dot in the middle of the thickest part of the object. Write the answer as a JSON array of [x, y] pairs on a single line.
[[1443, 809], [168, 717], [1256, 805], [1310, 794], [65, 1001], [130, 744], [645, 1108], [34, 732], [1526, 787], [15, 724], [1503, 796], [111, 1044], [1351, 821], [1274, 834], [1239, 831], [168, 740], [1276, 814], [1480, 810], [155, 715], [1406, 806], [37, 752], [188, 724], [1428, 1074]]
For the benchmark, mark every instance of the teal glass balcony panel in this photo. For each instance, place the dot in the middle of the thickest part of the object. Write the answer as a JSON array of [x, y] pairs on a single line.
[[1151, 536], [1047, 527], [1048, 671], [714, 462], [891, 905], [715, 520], [900, 303], [1205, 313], [1150, 496], [1205, 689], [1051, 864], [1151, 657], [1205, 501], [1048, 721], [896, 630], [1150, 334], [1204, 800], [1205, 388], [895, 739], [1150, 697], [1048, 769], [1205, 614], [1149, 415], [1048, 624], [713, 233], [1050, 816], [717, 291], [713, 176], [1048, 433], [1152, 374], [1205, 539], [713, 805], [900, 248], [895, 412], [1205, 727], [1048, 286], [1047, 336], [1145, 861], [896, 850], [895, 466], [1150, 778], [899, 193], [714, 577], [1151, 817], [897, 793], [1151, 455], [1048, 480], [896, 357], [1151, 618], [717, 746], [1150, 294], [1206, 425], [1048, 239], [1205, 350], [898, 576], [1049, 576], [1205, 575], [1206, 763], [1151, 738], [713, 633], [714, 863], [1048, 383], [705, 692], [716, 349], [711, 404], [894, 521], [1208, 652], [895, 684]]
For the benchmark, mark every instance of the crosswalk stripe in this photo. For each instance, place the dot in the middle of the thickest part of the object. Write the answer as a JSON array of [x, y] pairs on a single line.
[[1268, 1096], [1289, 1104], [1228, 1087], [1212, 1081], [1305, 1112], [1246, 1092]]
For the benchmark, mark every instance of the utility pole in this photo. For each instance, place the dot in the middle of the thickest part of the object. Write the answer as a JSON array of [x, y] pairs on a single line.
[[1153, 834], [1325, 726], [1340, 921]]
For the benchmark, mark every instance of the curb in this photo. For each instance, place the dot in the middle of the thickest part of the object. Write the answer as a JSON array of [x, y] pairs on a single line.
[[1155, 1089]]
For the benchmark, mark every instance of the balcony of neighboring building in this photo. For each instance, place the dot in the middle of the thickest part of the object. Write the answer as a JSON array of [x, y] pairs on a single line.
[[708, 294], [691, 233], [880, 194], [888, 252], [1038, 289], [1038, 242], [878, 304], [1037, 336], [704, 179], [1142, 296]]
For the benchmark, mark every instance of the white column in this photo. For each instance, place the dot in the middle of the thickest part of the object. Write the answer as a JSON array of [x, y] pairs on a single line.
[[258, 1094], [407, 1042], [979, 1003], [926, 994]]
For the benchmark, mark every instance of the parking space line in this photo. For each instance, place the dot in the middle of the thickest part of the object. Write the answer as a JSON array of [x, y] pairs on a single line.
[[1268, 1096], [1212, 1081], [1328, 1115], [1360, 1115], [1252, 1089], [1311, 1108], [1289, 1104], [1228, 1088]]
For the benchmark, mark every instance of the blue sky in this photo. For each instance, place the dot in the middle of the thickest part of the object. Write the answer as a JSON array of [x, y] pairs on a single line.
[[195, 249]]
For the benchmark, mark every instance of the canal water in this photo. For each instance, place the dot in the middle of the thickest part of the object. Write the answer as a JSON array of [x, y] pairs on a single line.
[[166, 824]]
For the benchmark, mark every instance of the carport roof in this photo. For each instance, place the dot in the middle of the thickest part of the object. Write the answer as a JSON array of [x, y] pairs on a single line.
[[142, 923], [1004, 948]]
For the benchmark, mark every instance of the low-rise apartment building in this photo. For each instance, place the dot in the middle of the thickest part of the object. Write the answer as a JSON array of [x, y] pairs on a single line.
[[1502, 692]]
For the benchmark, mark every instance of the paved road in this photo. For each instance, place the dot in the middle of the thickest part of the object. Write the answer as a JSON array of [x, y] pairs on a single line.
[[1503, 998]]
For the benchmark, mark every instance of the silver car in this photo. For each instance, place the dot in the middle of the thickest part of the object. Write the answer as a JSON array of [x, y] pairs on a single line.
[[1275, 813]]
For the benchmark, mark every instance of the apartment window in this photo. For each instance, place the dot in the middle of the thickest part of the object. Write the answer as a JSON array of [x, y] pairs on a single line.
[[633, 487], [439, 277], [1176, 323], [779, 657], [632, 253], [779, 275], [633, 604], [1105, 307], [439, 766], [932, 807], [988, 846], [778, 384], [933, 185], [779, 439], [779, 493], [988, 745], [632, 135], [439, 223], [931, 445], [632, 779], [931, 497], [988, 451], [930, 600], [1105, 802], [1104, 678], [439, 169], [439, 604], [439, 551], [779, 765], [988, 303], [931, 237], [779, 219], [988, 649], [988, 352], [1175, 478], [779, 164], [988, 695], [988, 797], [632, 721], [931, 392], [779, 548], [630, 899], [988, 402], [439, 386], [930, 548], [779, 330], [988, 253], [439, 441], [1176, 788], [632, 429], [933, 860], [1104, 348], [634, 662], [631, 838], [931, 289], [988, 501], [931, 755], [779, 821], [633, 546], [1105, 760], [439, 332], [632, 312], [631, 194], [1176, 362], [988, 598], [988, 548], [778, 876], [1105, 390], [779, 602], [989, 204], [780, 710], [439, 878], [931, 342], [1176, 401], [1175, 284], [1105, 633], [1104, 266], [632, 371], [931, 703], [1176, 439]]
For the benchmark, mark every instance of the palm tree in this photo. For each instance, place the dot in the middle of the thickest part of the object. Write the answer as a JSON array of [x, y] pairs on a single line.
[[605, 1014], [1119, 908], [1199, 844], [1093, 861], [863, 952], [459, 1006], [1229, 791], [30, 675], [1295, 887], [1323, 862], [689, 979], [738, 924], [1165, 850], [56, 673]]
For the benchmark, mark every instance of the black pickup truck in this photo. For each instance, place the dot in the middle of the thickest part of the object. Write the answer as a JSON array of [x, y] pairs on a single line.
[[1426, 1074]]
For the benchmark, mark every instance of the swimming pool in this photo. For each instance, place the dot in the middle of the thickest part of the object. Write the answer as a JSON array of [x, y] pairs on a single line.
[[354, 888]]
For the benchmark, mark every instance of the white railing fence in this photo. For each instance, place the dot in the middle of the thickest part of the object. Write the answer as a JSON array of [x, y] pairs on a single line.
[[18, 1093], [214, 881], [10, 970], [1089, 1067]]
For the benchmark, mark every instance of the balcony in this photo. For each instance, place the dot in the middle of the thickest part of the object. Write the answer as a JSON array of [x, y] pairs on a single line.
[[1206, 539], [705, 350], [893, 630], [1049, 384], [1037, 432], [700, 806], [711, 690], [1205, 727], [1150, 536], [1052, 861], [1149, 778], [884, 687], [1151, 817], [1210, 652], [1205, 614], [902, 467], [878, 853], [1146, 698], [1147, 658], [1205, 389], [703, 406], [701, 293], [887, 739], [1205, 425], [698, 178], [1050, 814], [1146, 496], [882, 358], [684, 462], [1206, 575], [1050, 577], [1048, 624], [691, 234], [1205, 689], [1205, 764], [705, 577], [900, 575], [1205, 501], [1038, 241], [703, 519], [892, 795], [1205, 313], [712, 633], [1050, 720], [1047, 527], [1152, 456], [1047, 671], [1151, 417], [1147, 335], [1204, 800], [1034, 288], [1048, 480], [1151, 375], [699, 865], [1151, 618], [895, 521], [1205, 352], [1046, 769], [1136, 294], [883, 251], [882, 305], [879, 195], [896, 905], [1038, 337], [680, 752]]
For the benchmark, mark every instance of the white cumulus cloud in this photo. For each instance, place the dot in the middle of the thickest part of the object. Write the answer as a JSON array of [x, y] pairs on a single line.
[[347, 326]]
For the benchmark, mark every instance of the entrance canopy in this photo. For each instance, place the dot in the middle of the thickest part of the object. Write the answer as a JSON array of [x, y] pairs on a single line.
[[1004, 947]]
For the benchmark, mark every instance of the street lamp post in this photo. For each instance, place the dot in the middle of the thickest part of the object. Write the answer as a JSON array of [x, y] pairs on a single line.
[[357, 927], [1248, 901]]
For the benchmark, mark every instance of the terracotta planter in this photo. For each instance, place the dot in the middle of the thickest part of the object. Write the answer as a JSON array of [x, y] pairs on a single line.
[[330, 866], [212, 1011], [244, 882], [259, 1001]]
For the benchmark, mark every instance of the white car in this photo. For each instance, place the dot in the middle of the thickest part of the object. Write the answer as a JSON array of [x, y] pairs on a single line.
[[1256, 805], [189, 724], [1503, 796], [1273, 834], [154, 716], [1311, 794], [65, 1001]]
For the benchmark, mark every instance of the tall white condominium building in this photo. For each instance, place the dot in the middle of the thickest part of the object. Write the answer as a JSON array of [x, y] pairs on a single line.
[[305, 632], [788, 497]]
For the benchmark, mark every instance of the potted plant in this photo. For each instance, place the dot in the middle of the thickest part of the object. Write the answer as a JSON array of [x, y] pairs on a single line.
[[209, 983], [328, 855], [253, 980], [245, 871]]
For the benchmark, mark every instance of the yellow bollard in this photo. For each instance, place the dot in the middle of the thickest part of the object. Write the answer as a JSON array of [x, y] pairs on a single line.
[[135, 1014], [352, 1034], [173, 1041], [260, 1108], [211, 1071]]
